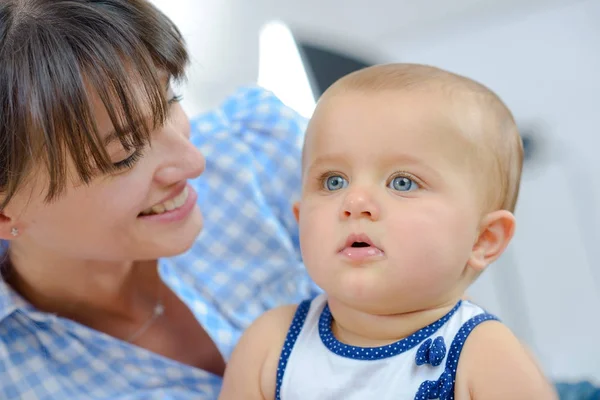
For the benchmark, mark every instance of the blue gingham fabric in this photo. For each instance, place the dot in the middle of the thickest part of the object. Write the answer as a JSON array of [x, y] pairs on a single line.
[[245, 262]]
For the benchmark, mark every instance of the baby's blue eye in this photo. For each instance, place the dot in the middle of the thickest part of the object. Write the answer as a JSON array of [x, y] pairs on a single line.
[[403, 184], [335, 182]]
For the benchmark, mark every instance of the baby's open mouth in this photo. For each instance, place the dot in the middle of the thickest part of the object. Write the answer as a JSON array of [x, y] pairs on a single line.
[[360, 241], [359, 248]]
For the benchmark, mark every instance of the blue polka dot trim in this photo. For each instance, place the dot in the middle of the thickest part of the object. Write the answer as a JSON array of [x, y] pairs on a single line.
[[290, 340], [376, 353], [461, 337], [443, 388]]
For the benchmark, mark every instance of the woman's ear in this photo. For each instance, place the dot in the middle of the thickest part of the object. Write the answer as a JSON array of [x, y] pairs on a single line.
[[7, 229], [296, 209], [496, 230]]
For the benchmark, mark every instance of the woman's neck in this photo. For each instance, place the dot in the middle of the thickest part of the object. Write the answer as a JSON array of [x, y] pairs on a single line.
[[74, 288]]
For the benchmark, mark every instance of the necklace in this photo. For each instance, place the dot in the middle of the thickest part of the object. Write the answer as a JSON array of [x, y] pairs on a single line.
[[159, 310]]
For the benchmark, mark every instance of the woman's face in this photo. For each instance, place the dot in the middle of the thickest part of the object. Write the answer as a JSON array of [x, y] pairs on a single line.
[[106, 220]]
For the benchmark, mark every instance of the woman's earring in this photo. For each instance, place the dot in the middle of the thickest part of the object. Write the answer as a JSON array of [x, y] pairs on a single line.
[[14, 232]]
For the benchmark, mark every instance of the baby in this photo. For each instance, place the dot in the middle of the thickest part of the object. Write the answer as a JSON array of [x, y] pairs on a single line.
[[410, 179]]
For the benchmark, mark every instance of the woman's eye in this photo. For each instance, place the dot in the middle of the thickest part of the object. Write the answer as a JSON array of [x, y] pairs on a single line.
[[335, 182], [175, 99], [129, 162], [403, 184]]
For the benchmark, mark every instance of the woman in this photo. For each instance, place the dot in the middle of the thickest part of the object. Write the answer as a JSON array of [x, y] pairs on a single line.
[[106, 291]]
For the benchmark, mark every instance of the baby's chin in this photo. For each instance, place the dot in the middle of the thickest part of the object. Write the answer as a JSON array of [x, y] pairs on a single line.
[[379, 297]]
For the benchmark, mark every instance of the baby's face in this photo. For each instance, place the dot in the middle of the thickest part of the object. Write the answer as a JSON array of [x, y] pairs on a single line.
[[389, 214]]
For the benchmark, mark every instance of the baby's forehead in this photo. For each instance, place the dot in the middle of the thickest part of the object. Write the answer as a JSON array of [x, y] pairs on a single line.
[[432, 112], [379, 127]]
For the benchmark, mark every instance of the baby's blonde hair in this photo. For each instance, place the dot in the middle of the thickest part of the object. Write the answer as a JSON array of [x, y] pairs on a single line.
[[497, 147]]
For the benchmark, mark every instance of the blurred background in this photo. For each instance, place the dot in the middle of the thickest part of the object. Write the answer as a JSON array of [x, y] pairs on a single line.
[[541, 56]]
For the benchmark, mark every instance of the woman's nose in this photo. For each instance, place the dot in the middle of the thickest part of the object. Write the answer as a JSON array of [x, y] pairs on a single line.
[[182, 159]]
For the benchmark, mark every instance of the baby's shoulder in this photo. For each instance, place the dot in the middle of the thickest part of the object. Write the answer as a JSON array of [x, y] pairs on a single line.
[[277, 320], [494, 364]]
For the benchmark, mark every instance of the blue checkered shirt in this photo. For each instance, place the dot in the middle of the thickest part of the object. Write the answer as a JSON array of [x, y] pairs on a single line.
[[245, 262]]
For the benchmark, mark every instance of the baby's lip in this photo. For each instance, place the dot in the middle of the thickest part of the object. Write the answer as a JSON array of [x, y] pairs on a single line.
[[359, 238], [360, 249]]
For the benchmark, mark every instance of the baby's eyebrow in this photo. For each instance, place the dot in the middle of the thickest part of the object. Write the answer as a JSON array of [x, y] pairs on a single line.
[[328, 159]]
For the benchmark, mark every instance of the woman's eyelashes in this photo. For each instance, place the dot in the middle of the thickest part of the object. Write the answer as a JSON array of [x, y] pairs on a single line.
[[175, 99], [130, 161]]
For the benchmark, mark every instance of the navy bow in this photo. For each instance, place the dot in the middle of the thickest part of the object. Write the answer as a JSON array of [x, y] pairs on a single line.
[[431, 352], [441, 389]]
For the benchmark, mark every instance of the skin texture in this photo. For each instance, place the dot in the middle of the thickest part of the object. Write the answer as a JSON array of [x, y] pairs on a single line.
[[394, 165]]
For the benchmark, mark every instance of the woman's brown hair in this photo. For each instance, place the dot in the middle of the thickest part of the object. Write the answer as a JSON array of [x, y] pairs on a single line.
[[53, 53]]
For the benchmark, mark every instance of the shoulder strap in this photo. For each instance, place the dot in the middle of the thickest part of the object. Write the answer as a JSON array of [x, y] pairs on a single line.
[[443, 388], [290, 340]]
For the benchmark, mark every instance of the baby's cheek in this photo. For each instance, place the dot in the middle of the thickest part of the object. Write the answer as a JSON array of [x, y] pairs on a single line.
[[427, 247]]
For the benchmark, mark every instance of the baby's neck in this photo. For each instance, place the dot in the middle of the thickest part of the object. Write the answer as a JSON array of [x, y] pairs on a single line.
[[357, 328]]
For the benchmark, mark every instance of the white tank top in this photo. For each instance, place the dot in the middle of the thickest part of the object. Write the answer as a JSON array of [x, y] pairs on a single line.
[[314, 365]]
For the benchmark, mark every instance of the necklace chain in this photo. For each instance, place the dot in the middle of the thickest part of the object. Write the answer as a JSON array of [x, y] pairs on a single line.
[[159, 309], [157, 312]]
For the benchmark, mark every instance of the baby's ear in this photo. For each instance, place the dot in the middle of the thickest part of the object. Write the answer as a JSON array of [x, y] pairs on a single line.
[[496, 230], [296, 209]]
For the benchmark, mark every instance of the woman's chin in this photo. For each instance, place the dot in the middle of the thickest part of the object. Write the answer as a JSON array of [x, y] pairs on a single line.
[[177, 241]]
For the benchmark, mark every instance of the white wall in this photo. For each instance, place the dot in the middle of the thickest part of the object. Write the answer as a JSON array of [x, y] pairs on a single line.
[[222, 39], [546, 66]]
